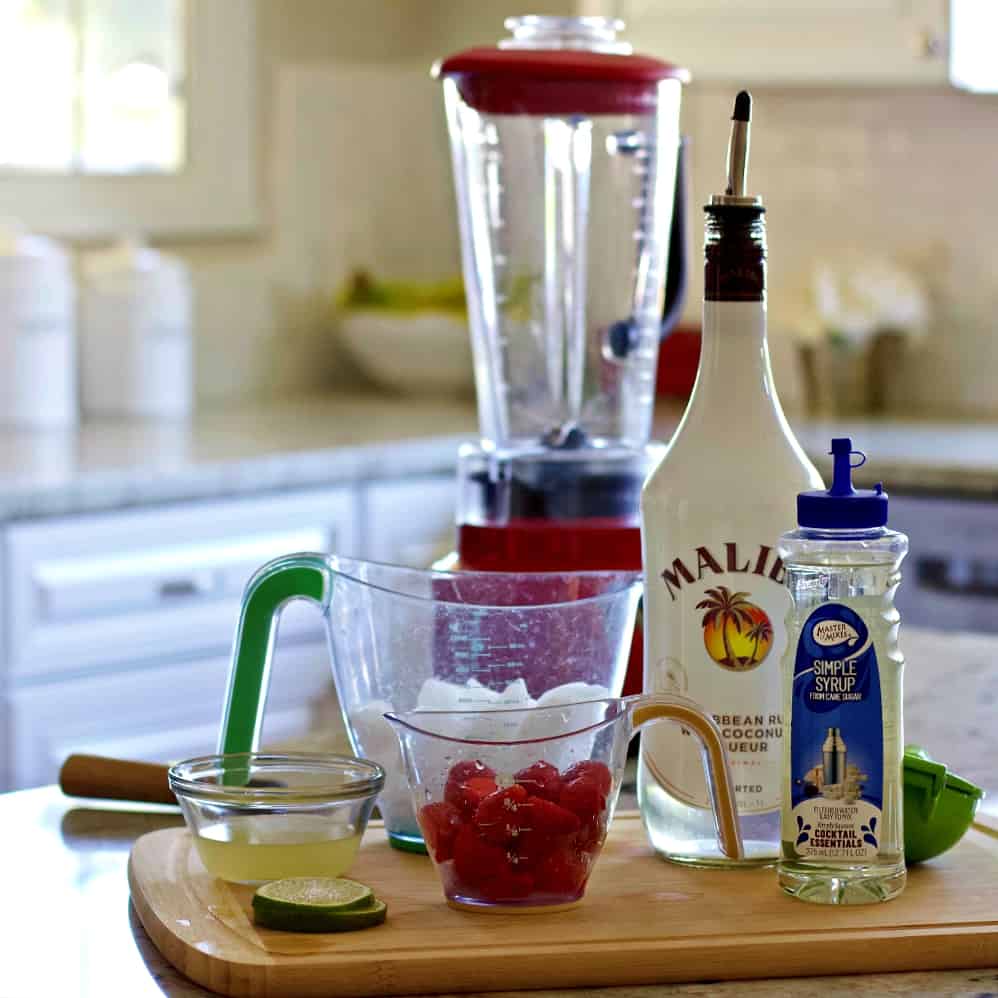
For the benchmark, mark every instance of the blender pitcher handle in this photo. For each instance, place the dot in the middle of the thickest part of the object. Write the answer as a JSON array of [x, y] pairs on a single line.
[[650, 707], [295, 576]]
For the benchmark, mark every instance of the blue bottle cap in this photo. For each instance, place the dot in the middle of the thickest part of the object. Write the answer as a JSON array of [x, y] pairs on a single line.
[[842, 506]]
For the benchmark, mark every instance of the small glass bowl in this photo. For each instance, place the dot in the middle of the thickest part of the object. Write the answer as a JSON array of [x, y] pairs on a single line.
[[257, 817]]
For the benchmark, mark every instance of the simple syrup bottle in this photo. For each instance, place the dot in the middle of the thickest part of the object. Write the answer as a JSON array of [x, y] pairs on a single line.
[[843, 840], [712, 513]]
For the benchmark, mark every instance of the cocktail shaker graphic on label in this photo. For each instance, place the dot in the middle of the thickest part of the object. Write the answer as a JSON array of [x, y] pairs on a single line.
[[833, 754]]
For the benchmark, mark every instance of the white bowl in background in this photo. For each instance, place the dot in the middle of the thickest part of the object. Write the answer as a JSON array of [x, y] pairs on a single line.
[[416, 353]]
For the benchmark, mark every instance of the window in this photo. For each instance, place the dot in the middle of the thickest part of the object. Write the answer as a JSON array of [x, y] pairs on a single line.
[[92, 86], [128, 116]]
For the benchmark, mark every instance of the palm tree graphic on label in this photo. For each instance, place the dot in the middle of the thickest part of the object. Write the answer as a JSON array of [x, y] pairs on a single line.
[[761, 630], [736, 633]]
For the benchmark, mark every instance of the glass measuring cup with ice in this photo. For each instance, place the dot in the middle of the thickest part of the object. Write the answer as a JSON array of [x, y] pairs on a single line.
[[404, 639]]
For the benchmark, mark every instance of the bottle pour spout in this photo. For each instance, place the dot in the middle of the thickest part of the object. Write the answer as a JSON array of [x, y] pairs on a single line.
[[738, 158], [738, 145]]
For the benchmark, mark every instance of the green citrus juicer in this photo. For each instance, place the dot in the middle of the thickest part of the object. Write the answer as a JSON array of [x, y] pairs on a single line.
[[939, 806]]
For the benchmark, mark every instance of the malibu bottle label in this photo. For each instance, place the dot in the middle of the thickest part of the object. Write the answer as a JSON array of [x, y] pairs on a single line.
[[714, 617]]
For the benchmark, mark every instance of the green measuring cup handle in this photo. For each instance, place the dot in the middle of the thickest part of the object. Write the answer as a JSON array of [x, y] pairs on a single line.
[[295, 576]]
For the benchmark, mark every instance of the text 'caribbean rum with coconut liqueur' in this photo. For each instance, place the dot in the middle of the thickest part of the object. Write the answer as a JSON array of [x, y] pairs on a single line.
[[712, 513]]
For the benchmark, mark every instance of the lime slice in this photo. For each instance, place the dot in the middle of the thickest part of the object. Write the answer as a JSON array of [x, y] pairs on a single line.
[[321, 920], [313, 893], [317, 904]]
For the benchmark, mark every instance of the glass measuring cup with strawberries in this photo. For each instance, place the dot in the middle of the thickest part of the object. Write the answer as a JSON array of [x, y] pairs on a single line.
[[514, 805]]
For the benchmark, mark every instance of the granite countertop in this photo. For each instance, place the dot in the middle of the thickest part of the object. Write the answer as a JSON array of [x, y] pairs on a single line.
[[228, 452], [326, 440], [68, 929]]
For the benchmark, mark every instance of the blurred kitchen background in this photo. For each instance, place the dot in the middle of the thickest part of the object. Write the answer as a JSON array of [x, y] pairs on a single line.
[[335, 158], [229, 177]]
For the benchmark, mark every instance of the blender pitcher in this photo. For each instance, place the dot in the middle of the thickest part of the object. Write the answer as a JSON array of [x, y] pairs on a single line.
[[402, 639], [565, 150]]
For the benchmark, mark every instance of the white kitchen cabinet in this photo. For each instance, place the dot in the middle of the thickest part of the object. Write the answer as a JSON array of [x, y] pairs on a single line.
[[99, 591], [411, 522], [791, 42], [117, 627], [160, 714]]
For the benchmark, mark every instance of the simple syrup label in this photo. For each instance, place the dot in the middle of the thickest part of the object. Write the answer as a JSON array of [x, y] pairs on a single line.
[[715, 625], [836, 738]]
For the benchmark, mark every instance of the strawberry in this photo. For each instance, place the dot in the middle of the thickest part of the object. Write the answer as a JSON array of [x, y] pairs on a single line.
[[468, 795], [440, 822], [500, 816], [563, 872], [477, 861], [541, 779], [597, 771], [590, 836], [549, 818], [510, 886], [468, 769], [582, 797], [545, 826]]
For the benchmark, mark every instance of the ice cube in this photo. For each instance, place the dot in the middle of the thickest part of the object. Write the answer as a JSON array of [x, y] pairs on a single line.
[[376, 739], [572, 693], [516, 695], [545, 724], [369, 727], [435, 694], [490, 725], [477, 697]]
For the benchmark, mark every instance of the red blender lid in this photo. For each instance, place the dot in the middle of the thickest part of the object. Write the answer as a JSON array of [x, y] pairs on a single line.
[[557, 81]]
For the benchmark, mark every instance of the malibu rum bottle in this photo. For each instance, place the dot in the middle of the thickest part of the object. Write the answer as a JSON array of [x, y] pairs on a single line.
[[712, 514]]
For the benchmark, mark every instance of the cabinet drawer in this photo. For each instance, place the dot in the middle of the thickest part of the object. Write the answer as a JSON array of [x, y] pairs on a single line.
[[94, 591], [159, 714]]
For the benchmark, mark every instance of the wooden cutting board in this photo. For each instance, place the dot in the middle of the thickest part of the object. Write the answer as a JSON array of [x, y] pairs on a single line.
[[642, 921]]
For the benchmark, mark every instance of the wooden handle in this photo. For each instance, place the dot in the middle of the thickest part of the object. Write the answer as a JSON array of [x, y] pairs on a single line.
[[115, 779]]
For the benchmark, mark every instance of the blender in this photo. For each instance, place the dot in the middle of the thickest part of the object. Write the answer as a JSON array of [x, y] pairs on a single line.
[[566, 161]]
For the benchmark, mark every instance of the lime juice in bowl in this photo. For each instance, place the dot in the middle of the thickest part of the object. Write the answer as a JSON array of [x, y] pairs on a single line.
[[250, 849], [256, 817]]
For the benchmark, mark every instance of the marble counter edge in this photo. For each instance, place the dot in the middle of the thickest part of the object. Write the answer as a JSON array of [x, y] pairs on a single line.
[[328, 441], [130, 487]]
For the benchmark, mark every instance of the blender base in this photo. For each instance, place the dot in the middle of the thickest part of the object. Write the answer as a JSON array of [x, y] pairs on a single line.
[[549, 509]]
